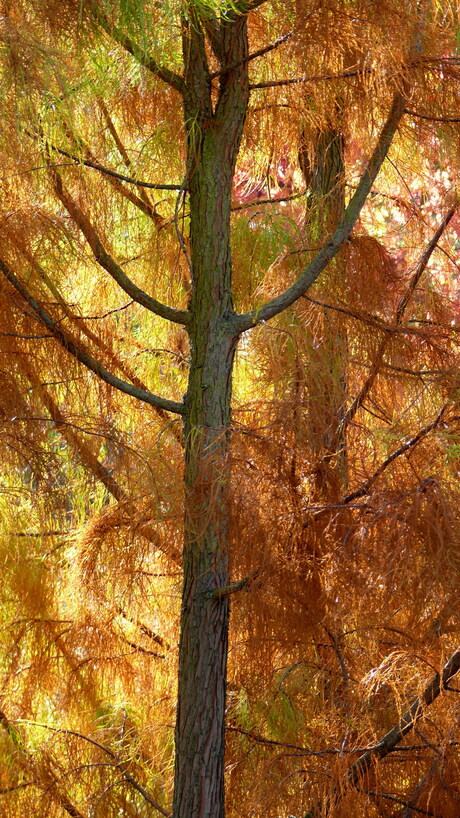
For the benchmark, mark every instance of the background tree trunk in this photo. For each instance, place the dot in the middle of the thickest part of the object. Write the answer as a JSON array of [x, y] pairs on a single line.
[[323, 168]]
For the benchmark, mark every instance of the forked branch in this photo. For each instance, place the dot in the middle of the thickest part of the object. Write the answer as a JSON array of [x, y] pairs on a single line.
[[82, 356]]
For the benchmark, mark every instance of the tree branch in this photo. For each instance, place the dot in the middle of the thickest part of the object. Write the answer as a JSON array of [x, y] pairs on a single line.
[[355, 72], [341, 234], [234, 587], [399, 314], [300, 80], [257, 202], [254, 55], [391, 739], [143, 201], [162, 72], [361, 492], [116, 762], [108, 263], [108, 172], [432, 118], [102, 346], [42, 779], [421, 266], [97, 469], [410, 718], [82, 356]]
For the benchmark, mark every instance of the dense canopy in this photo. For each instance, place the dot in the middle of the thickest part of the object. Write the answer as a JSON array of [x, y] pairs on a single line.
[[229, 365]]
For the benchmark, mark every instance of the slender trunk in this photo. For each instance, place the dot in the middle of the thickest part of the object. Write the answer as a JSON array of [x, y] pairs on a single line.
[[324, 175], [213, 141]]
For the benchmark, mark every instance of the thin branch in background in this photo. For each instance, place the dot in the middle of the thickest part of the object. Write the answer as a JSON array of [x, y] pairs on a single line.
[[301, 80], [43, 779], [104, 315], [417, 791], [254, 55], [116, 762], [7, 790], [349, 415], [78, 161], [145, 629], [410, 444], [395, 800], [257, 202], [33, 534], [271, 742], [358, 72], [139, 649], [142, 201], [366, 318], [401, 308], [97, 469], [336, 645], [180, 200], [24, 337], [432, 118]]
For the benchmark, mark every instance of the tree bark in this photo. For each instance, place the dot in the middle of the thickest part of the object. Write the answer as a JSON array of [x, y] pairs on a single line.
[[213, 141]]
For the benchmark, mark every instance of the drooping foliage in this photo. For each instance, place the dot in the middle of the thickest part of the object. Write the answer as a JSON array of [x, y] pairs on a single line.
[[341, 471]]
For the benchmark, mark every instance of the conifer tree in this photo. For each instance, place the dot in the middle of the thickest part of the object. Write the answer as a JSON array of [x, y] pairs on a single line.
[[229, 373]]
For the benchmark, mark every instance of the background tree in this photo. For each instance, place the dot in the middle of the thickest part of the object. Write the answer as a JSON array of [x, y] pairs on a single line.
[[321, 496]]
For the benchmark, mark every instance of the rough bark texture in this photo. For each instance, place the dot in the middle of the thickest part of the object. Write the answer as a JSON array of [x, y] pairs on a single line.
[[213, 141]]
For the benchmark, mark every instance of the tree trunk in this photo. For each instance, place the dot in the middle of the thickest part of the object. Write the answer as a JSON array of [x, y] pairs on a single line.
[[324, 174], [213, 140]]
